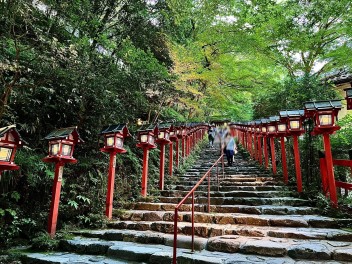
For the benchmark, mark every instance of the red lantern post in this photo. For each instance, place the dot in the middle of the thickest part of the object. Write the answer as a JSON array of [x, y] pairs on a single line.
[[265, 142], [10, 140], [271, 130], [162, 139], [294, 120], [324, 114], [173, 138], [281, 129], [146, 142], [114, 136], [61, 145]]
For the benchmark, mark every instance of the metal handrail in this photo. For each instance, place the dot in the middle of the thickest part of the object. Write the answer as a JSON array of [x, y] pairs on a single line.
[[191, 192]]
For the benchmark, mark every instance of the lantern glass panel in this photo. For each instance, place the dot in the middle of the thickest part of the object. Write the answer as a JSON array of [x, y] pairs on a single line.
[[172, 133], [119, 142], [271, 129], [54, 149], [349, 93], [264, 129], [110, 141], [281, 127], [161, 135], [66, 150], [144, 138], [5, 154], [294, 124], [325, 120], [151, 139], [167, 136]]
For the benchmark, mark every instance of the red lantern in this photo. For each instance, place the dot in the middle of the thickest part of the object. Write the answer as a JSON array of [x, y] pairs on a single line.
[[324, 114], [61, 145], [10, 140], [114, 136], [146, 136], [294, 121]]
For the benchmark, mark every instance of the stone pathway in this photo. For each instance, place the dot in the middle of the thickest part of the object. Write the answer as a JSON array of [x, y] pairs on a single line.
[[253, 219]]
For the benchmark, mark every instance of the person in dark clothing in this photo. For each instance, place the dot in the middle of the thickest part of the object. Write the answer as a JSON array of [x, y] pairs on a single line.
[[211, 137]]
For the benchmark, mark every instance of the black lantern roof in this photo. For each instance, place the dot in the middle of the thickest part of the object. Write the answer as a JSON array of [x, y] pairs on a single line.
[[323, 105], [117, 128], [264, 120], [163, 126], [150, 127], [274, 119], [64, 133], [12, 128], [291, 113]]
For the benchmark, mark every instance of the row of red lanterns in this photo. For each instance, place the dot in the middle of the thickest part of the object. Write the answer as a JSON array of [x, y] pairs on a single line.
[[62, 143], [291, 123]]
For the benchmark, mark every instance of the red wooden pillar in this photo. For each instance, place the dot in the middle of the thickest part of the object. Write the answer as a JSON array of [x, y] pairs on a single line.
[[183, 147], [162, 166], [260, 158], [250, 143], [273, 158], [171, 158], [255, 152], [284, 160], [55, 199], [297, 163], [111, 181], [177, 153], [330, 169], [266, 156], [323, 173], [145, 171]]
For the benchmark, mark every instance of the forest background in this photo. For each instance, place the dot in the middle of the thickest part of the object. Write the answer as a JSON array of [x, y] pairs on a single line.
[[90, 63]]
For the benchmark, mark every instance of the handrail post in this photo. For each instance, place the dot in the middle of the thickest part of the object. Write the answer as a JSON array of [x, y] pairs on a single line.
[[209, 191], [217, 174], [175, 236], [193, 222]]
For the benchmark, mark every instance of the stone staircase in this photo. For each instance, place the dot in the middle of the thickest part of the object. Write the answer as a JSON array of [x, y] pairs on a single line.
[[253, 219]]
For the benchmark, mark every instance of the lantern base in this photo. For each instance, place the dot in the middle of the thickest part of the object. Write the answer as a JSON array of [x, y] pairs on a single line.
[[56, 159], [113, 150], [149, 146], [8, 166], [320, 130]]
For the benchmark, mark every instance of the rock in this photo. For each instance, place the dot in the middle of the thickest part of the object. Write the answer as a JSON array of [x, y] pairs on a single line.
[[343, 254], [309, 251], [223, 245], [265, 248]]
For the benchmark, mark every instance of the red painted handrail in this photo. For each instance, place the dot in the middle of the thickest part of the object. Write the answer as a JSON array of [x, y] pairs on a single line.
[[344, 185], [191, 192]]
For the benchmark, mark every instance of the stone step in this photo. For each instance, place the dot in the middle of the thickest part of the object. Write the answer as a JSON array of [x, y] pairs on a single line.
[[159, 254], [227, 179], [289, 201], [237, 218], [213, 181], [233, 188], [136, 247], [267, 194], [69, 258], [244, 209], [212, 230]]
